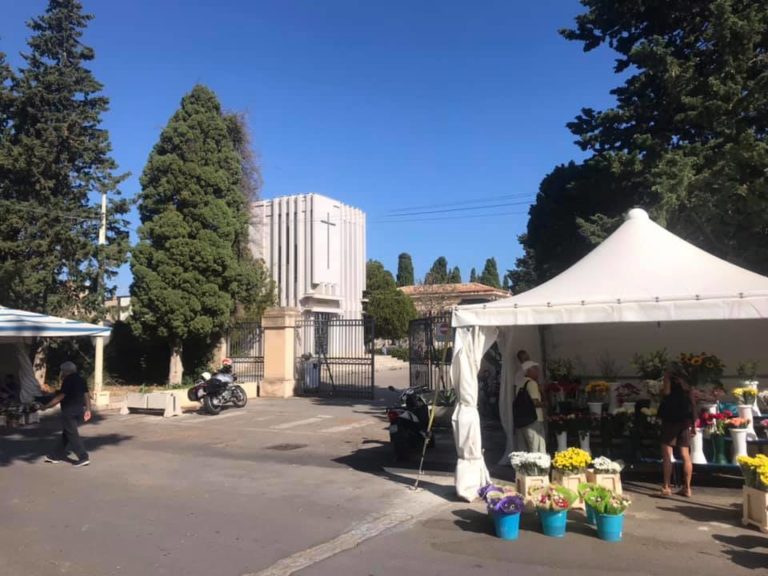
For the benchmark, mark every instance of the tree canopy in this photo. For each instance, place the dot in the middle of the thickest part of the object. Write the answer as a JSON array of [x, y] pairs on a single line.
[[490, 274], [54, 164], [438, 273], [686, 139], [389, 307], [189, 267], [455, 276]]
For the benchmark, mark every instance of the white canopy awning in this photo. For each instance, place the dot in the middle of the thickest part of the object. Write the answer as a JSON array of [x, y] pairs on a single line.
[[20, 324], [640, 273]]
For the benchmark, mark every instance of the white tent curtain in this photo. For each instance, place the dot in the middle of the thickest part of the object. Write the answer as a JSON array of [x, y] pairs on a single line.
[[506, 393], [470, 344]]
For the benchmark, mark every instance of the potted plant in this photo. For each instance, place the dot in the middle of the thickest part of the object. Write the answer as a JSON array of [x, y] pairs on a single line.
[[531, 470], [569, 469], [504, 506], [597, 391], [609, 511], [552, 503], [606, 473], [755, 491], [627, 394]]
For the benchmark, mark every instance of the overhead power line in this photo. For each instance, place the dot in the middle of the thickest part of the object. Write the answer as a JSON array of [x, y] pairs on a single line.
[[460, 209], [474, 201], [440, 218]]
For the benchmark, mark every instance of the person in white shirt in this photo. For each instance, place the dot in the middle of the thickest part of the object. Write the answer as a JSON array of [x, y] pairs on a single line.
[[531, 437]]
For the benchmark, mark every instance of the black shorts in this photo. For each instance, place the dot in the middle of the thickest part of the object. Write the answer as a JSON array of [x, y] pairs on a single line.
[[676, 434]]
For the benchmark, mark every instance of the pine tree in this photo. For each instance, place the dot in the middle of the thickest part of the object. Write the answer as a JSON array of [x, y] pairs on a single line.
[[188, 277], [455, 276], [490, 275], [473, 275], [54, 163], [405, 270]]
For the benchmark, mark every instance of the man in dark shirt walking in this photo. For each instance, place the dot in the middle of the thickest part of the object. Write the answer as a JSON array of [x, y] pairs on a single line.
[[75, 406]]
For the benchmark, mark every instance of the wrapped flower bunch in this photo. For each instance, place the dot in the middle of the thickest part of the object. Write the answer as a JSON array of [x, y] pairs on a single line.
[[530, 463], [553, 497], [603, 465], [571, 461], [501, 499], [597, 390], [606, 502]]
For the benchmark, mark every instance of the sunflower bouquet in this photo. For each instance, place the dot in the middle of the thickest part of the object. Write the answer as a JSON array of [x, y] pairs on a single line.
[[571, 461], [701, 369]]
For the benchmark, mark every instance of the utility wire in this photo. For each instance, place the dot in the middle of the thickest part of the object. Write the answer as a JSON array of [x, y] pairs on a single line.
[[463, 209], [462, 202]]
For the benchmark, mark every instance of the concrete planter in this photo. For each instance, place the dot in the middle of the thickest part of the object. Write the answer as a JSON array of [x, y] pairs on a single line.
[[169, 402], [610, 481], [755, 508]]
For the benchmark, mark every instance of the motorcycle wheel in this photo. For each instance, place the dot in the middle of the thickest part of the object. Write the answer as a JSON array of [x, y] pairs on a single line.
[[239, 397], [211, 406]]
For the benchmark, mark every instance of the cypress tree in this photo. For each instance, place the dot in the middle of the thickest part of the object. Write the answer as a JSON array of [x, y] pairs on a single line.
[[490, 275], [405, 270], [455, 276], [54, 163], [187, 267]]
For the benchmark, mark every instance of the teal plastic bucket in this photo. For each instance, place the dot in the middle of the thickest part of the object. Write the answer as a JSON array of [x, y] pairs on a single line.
[[553, 522], [610, 527], [507, 526], [591, 515]]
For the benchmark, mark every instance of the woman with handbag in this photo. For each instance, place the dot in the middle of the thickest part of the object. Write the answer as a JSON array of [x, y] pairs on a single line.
[[677, 425]]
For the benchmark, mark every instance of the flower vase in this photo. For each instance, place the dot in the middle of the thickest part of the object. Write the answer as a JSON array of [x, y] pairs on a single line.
[[745, 411], [507, 525], [697, 448], [595, 408], [739, 447], [584, 442], [562, 441], [718, 448], [613, 397]]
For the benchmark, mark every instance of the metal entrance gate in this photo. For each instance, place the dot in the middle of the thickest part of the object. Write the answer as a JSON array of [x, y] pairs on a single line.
[[429, 360], [335, 357], [245, 347]]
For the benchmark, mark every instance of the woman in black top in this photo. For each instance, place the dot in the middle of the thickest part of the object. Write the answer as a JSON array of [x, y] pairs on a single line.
[[677, 425]]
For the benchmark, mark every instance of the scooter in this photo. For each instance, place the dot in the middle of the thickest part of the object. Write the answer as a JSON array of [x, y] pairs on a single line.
[[408, 422], [217, 390]]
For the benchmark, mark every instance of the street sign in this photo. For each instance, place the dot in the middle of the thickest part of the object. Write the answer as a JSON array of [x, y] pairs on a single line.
[[443, 332]]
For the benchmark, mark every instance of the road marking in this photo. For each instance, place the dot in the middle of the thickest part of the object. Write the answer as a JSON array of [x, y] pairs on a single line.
[[299, 422], [199, 418], [346, 427], [354, 537]]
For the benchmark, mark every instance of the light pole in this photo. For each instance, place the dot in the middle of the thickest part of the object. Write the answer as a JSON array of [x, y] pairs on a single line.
[[98, 361]]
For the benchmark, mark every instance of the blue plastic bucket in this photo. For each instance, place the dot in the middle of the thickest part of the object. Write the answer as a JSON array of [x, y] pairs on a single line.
[[553, 522], [591, 515], [610, 527], [507, 526]]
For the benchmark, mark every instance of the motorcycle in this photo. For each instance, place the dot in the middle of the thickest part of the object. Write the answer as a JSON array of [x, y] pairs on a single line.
[[217, 390], [408, 422]]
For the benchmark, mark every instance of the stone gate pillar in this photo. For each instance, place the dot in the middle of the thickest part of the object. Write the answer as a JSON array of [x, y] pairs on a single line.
[[279, 352]]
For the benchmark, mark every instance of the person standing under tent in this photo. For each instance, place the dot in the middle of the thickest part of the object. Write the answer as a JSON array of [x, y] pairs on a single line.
[[75, 407], [531, 437], [508, 386], [677, 425]]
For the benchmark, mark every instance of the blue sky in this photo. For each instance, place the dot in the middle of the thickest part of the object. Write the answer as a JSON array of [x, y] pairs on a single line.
[[384, 105]]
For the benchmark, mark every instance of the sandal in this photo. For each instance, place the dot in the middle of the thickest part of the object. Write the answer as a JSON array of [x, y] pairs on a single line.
[[684, 492], [665, 492]]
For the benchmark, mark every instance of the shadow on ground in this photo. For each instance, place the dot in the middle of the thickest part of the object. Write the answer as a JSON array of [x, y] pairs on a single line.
[[30, 443]]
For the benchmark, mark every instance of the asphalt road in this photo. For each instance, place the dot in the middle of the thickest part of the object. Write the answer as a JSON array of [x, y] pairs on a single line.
[[307, 486]]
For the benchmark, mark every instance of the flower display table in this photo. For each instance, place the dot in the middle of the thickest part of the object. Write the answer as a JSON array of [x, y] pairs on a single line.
[[755, 508]]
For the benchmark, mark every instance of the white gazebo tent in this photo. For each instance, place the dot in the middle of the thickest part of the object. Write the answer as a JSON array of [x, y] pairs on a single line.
[[18, 325], [640, 274]]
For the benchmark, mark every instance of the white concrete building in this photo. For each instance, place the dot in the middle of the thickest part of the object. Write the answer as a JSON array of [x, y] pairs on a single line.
[[315, 249]]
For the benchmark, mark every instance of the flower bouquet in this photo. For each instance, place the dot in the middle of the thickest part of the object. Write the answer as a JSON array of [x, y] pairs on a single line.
[[701, 369], [552, 504], [745, 395], [651, 366], [597, 390], [505, 506], [609, 508]]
